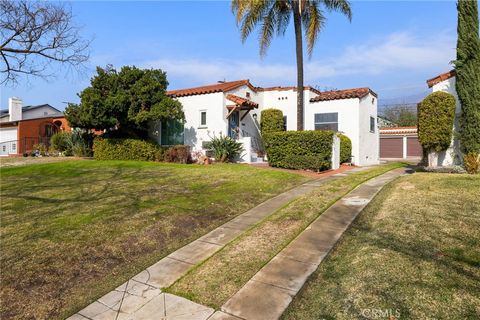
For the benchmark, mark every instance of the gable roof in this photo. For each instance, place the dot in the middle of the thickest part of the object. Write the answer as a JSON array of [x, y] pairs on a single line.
[[342, 94], [441, 77], [242, 101], [4, 112], [212, 88]]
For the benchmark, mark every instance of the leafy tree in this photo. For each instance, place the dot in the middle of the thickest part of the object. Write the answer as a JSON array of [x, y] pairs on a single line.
[[274, 16], [401, 115], [467, 68], [34, 34], [124, 101]]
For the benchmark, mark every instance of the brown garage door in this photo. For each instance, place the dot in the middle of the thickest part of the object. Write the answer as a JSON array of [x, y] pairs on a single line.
[[414, 148], [391, 147]]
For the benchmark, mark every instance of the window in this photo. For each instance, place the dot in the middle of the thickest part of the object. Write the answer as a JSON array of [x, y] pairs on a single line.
[[171, 132], [326, 121], [248, 95], [285, 123], [14, 146], [203, 119], [372, 124]]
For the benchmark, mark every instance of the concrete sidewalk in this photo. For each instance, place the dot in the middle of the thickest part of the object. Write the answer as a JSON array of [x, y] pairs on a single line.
[[141, 296], [270, 291]]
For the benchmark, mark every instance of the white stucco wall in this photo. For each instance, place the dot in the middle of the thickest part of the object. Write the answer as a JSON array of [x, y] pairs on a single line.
[[369, 148], [348, 111], [453, 154]]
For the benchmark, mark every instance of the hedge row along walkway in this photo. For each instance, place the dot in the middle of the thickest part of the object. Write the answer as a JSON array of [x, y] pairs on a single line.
[[141, 297]]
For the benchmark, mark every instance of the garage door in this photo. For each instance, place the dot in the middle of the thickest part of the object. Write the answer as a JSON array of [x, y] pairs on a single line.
[[414, 148], [8, 141], [391, 147]]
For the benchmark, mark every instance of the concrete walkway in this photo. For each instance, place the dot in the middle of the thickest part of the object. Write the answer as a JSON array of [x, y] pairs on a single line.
[[270, 291], [141, 296]]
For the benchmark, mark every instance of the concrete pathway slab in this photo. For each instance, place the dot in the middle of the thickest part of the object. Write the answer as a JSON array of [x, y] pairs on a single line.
[[181, 308], [221, 236], [195, 252], [306, 255], [163, 273], [258, 301], [285, 273]]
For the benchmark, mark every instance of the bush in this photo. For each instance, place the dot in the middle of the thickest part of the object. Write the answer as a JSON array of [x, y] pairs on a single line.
[[61, 141], [77, 143], [224, 148], [39, 149], [178, 154], [345, 148], [471, 162], [271, 121], [300, 149], [126, 149], [435, 121]]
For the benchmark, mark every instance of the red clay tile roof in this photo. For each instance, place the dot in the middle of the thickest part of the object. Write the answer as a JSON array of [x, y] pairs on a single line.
[[218, 87], [242, 101], [398, 130], [342, 94], [441, 77], [279, 88]]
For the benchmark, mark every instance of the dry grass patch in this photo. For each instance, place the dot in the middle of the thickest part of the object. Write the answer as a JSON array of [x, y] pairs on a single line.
[[219, 277], [414, 253], [73, 231]]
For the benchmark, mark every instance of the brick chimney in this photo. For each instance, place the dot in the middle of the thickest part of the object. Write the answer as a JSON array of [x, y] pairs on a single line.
[[14, 109]]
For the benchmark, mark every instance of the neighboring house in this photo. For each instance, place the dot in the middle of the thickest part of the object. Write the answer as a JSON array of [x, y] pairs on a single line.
[[399, 143], [385, 123], [234, 109], [22, 127], [446, 82]]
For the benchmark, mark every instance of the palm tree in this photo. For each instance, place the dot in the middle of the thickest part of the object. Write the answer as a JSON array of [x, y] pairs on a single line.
[[273, 16]]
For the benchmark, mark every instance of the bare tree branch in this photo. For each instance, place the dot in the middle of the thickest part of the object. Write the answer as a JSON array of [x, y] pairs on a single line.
[[35, 34]]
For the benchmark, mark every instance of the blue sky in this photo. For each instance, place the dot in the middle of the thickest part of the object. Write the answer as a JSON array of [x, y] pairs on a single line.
[[390, 46]]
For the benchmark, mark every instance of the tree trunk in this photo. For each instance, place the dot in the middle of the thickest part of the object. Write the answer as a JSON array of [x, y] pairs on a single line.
[[297, 22]]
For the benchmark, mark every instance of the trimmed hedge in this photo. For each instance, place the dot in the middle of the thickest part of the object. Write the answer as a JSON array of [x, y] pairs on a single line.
[[310, 150], [435, 121], [345, 148], [271, 121], [126, 149]]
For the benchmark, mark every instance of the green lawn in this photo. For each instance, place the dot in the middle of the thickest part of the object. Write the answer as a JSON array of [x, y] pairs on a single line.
[[414, 253], [218, 278], [74, 230]]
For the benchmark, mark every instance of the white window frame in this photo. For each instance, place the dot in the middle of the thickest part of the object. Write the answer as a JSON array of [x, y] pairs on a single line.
[[315, 123], [202, 126]]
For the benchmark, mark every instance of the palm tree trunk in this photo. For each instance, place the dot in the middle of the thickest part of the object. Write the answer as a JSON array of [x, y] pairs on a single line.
[[297, 22]]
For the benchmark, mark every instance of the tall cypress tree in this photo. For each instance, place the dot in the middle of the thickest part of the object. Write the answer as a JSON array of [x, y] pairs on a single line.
[[467, 67]]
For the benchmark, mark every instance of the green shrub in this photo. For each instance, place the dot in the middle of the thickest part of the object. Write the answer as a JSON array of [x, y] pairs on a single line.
[[225, 149], [178, 154], [126, 149], [300, 149], [435, 121], [271, 121], [471, 162], [345, 148], [61, 141]]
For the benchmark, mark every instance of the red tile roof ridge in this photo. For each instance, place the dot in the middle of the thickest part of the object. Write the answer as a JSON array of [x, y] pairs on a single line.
[[343, 94], [441, 77]]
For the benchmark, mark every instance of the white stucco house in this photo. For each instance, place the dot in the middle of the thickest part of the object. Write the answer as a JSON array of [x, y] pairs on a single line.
[[234, 108], [446, 82]]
